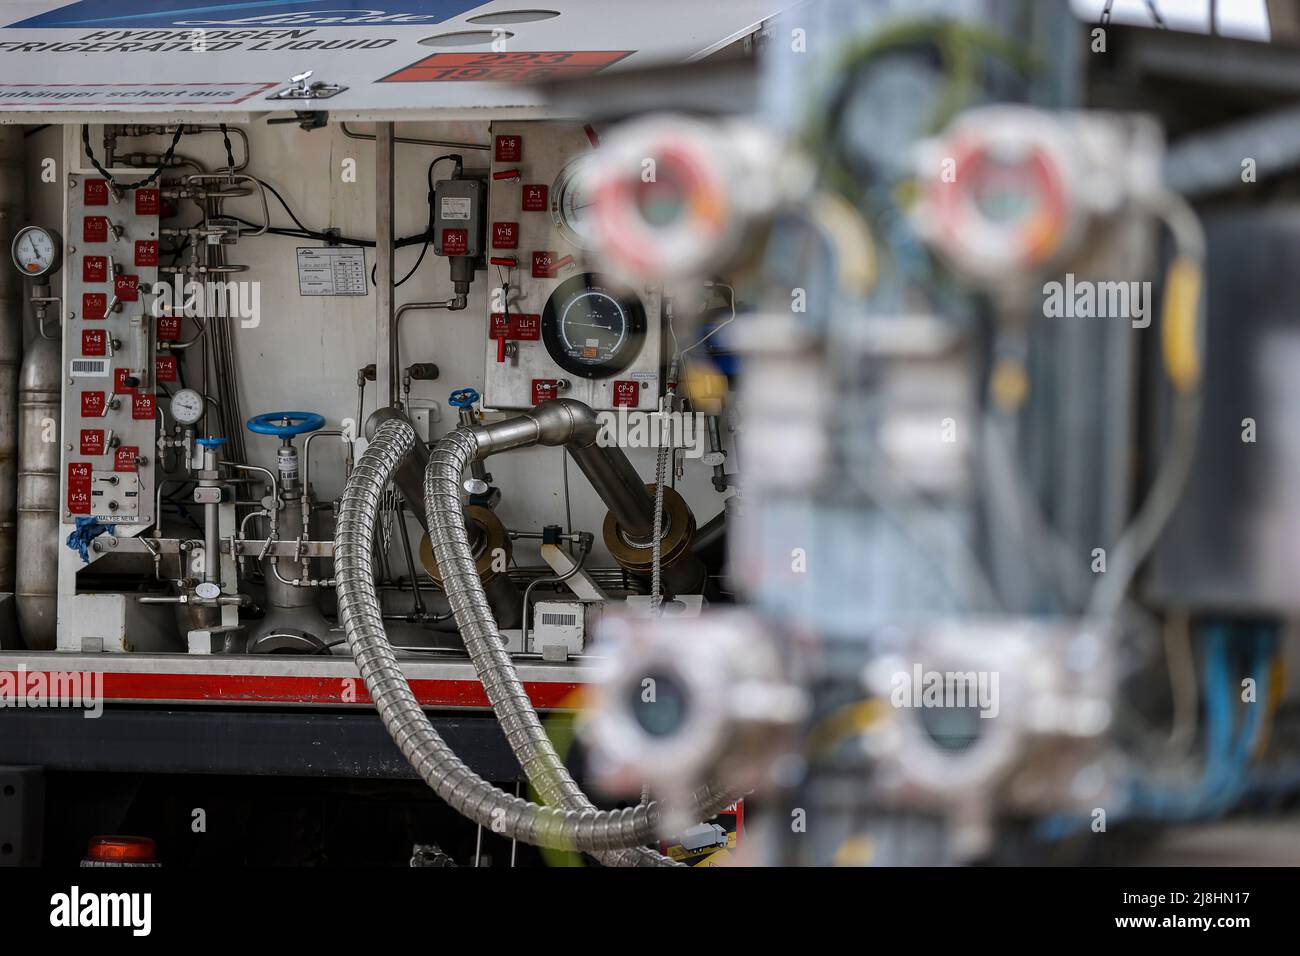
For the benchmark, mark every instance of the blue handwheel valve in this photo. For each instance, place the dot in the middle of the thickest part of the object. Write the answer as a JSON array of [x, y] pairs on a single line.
[[463, 398], [285, 424]]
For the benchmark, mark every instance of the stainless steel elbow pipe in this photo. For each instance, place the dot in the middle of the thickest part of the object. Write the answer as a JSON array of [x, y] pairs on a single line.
[[565, 421], [629, 530]]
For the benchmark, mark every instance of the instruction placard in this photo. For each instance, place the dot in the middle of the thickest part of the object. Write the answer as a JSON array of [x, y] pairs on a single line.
[[332, 270]]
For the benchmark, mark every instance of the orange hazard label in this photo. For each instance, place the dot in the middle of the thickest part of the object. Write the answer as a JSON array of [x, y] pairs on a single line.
[[520, 67]]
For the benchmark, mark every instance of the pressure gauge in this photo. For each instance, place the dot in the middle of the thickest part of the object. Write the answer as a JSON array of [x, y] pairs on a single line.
[[571, 201], [187, 406], [592, 327], [37, 251]]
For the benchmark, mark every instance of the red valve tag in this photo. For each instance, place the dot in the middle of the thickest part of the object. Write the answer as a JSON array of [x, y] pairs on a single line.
[[169, 328], [534, 197], [146, 252], [92, 441], [545, 389], [126, 287], [94, 305], [147, 202], [92, 404], [94, 229], [509, 149], [142, 406], [544, 265], [455, 242], [520, 327], [124, 458], [94, 342], [95, 192], [165, 368], [94, 269], [626, 394], [505, 235], [79, 487]]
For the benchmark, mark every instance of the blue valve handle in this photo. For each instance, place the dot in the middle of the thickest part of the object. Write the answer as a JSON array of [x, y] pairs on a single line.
[[285, 424], [210, 442], [463, 398]]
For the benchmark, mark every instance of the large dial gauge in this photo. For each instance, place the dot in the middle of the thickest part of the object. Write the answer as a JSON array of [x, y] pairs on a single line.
[[593, 327], [36, 251], [571, 201], [187, 406]]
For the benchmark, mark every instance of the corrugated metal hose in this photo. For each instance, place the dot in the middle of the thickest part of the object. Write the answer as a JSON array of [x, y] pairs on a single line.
[[569, 821]]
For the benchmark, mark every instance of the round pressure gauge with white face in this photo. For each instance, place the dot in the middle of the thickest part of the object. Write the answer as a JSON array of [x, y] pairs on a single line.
[[187, 406], [571, 202], [37, 251]]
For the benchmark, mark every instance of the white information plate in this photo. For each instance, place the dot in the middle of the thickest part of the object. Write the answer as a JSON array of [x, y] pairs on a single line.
[[237, 56], [332, 270]]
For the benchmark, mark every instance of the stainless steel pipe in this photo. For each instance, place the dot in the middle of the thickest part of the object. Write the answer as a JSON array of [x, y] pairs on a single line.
[[12, 192], [565, 421]]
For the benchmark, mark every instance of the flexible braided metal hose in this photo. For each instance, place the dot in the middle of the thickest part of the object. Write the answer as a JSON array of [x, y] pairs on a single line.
[[524, 731], [584, 830], [656, 558]]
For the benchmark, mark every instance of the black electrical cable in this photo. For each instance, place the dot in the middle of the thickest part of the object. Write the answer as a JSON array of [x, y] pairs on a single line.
[[276, 193], [420, 258], [429, 229], [138, 184], [306, 232], [230, 152]]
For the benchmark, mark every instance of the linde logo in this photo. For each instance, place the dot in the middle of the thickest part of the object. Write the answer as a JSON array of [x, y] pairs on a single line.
[[315, 13], [21, 690], [317, 18], [1084, 299], [93, 910], [949, 689]]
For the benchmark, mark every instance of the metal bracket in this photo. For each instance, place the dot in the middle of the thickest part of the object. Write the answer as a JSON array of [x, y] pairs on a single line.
[[303, 90]]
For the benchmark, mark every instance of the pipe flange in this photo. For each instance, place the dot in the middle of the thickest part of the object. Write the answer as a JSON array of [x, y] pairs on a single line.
[[287, 640], [491, 537], [678, 533]]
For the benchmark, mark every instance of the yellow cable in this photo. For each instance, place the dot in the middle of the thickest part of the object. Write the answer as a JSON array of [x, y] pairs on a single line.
[[1276, 691], [848, 721], [1180, 324]]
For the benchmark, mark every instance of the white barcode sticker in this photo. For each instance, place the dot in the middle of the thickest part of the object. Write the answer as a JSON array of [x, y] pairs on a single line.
[[559, 620], [89, 366]]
